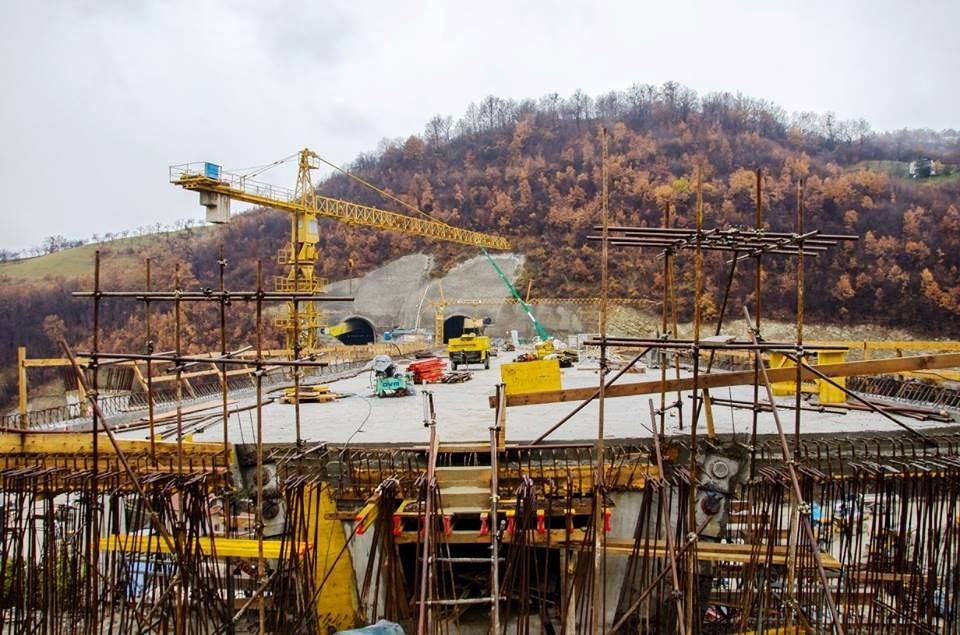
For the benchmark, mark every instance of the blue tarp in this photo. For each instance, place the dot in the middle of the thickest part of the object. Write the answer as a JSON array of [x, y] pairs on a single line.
[[383, 627]]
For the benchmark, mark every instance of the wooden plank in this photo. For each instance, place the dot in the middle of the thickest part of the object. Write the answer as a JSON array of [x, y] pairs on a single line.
[[890, 345], [739, 378], [52, 362]]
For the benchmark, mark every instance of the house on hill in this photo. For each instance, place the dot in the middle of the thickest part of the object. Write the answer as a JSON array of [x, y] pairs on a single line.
[[921, 168]]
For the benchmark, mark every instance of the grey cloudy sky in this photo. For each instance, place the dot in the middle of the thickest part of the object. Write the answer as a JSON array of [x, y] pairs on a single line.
[[100, 97]]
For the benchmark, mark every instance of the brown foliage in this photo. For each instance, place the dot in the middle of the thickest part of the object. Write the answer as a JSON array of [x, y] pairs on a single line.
[[532, 171]]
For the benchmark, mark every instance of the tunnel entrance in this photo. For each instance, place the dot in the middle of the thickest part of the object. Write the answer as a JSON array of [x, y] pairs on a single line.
[[453, 326], [356, 331]]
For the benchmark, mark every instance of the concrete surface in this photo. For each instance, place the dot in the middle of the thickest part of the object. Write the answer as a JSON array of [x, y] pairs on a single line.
[[464, 416]]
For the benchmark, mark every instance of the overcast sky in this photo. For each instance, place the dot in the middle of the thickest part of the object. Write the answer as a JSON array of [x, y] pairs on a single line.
[[100, 97]]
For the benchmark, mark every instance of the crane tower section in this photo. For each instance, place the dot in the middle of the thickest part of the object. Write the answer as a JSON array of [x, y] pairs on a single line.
[[301, 323]]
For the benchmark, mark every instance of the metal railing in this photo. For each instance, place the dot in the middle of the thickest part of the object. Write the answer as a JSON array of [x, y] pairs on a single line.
[[120, 404], [198, 171]]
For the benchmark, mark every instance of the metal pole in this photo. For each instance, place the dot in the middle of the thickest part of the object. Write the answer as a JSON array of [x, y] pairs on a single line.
[[149, 350], [224, 401], [261, 563], [93, 518], [800, 268], [598, 483], [758, 283], [22, 385], [431, 422], [667, 293], [494, 533], [692, 563]]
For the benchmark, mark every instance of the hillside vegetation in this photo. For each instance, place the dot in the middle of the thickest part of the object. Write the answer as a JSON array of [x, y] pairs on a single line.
[[531, 171]]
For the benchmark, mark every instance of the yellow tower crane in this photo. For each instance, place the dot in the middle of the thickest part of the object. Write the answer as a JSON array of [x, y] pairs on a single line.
[[217, 188]]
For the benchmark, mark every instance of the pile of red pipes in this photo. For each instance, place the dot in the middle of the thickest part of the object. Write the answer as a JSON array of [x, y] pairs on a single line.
[[427, 371]]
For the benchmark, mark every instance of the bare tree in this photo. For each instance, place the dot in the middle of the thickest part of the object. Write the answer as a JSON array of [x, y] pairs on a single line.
[[438, 130], [579, 107]]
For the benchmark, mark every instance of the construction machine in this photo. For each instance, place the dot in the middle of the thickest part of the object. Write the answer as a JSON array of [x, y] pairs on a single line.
[[389, 381], [472, 347]]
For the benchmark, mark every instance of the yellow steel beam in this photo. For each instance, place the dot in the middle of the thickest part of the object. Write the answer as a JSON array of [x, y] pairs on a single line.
[[218, 547], [64, 471], [22, 385], [739, 378], [80, 445], [887, 345]]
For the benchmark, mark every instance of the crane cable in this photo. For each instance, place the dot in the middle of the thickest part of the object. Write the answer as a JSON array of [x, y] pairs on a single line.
[[256, 170]]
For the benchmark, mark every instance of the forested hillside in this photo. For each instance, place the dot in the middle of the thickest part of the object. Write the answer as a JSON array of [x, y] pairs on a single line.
[[530, 170]]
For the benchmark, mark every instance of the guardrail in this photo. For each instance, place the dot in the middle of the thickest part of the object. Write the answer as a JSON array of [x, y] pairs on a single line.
[[201, 171], [133, 402]]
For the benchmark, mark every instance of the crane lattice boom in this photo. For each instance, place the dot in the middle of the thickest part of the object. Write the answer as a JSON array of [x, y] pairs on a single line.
[[199, 177]]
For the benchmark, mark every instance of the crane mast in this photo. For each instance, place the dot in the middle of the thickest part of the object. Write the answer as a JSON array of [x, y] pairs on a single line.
[[301, 323]]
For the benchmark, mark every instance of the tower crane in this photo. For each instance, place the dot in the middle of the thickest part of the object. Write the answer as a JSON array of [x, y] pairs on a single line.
[[217, 187]]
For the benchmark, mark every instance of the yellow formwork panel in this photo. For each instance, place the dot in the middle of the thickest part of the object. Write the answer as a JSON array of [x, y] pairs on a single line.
[[539, 376], [338, 603], [826, 392], [783, 388], [829, 393]]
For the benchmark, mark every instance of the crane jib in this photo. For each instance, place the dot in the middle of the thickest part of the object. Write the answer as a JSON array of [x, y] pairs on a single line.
[[344, 211]]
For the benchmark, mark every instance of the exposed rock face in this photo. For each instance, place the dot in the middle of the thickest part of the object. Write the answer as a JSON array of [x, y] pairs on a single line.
[[393, 295]]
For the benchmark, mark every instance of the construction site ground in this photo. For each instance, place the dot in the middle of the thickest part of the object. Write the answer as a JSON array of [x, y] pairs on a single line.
[[464, 416]]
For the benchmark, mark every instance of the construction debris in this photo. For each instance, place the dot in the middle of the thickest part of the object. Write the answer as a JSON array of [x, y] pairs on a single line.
[[456, 377], [318, 393]]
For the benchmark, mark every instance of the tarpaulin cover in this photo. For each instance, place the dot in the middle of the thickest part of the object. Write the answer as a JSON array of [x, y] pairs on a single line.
[[383, 627]]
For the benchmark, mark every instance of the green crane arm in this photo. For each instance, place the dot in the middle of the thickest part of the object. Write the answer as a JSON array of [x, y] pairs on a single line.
[[526, 307]]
